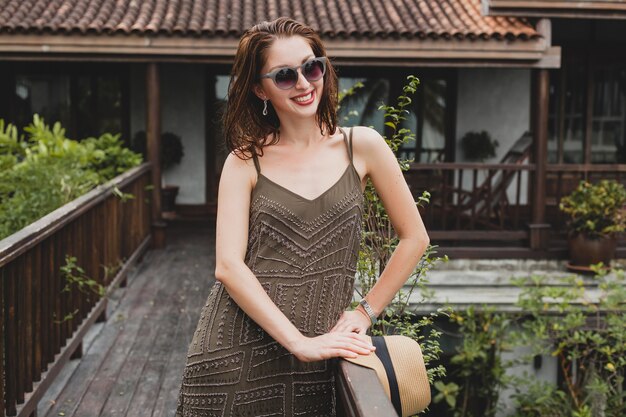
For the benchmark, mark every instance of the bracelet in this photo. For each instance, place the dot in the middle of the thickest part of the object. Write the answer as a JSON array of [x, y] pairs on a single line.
[[369, 310]]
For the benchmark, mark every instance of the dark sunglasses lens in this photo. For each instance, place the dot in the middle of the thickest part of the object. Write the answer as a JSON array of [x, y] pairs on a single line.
[[286, 78], [313, 70]]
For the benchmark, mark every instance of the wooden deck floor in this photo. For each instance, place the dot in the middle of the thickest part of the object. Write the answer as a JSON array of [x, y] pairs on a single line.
[[132, 363]]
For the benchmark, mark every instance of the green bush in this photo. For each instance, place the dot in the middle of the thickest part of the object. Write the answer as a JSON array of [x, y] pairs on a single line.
[[583, 328], [477, 372], [596, 210], [45, 170]]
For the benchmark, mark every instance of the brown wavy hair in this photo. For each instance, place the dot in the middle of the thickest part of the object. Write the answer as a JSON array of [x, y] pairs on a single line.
[[246, 130]]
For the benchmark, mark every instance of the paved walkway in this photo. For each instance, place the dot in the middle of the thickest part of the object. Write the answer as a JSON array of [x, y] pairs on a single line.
[[132, 363]]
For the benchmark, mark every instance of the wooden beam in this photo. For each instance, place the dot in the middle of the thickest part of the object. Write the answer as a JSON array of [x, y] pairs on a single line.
[[211, 122], [598, 9], [539, 229], [500, 252], [527, 53], [474, 235], [153, 142]]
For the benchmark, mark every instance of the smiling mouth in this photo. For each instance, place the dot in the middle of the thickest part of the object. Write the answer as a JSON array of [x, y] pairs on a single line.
[[304, 99]]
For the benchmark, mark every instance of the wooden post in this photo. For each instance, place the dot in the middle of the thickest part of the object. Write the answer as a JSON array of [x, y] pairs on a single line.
[[538, 227], [153, 142], [210, 123]]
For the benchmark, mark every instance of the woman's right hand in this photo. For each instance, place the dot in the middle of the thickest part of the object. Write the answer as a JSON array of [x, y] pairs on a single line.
[[330, 345]]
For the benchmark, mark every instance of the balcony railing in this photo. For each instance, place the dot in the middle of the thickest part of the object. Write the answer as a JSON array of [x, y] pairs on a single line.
[[491, 204], [43, 315], [360, 393]]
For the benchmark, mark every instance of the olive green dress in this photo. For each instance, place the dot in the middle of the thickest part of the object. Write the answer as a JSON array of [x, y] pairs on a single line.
[[304, 253]]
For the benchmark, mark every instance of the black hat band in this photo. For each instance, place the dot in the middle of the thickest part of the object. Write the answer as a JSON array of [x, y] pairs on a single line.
[[383, 354]]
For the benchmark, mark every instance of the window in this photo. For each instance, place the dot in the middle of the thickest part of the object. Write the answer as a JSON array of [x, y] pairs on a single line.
[[429, 117], [88, 100], [608, 122], [587, 115]]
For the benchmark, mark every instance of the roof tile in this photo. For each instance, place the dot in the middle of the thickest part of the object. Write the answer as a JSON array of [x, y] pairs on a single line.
[[219, 18]]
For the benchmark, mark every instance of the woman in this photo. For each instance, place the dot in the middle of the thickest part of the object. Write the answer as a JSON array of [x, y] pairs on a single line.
[[287, 238]]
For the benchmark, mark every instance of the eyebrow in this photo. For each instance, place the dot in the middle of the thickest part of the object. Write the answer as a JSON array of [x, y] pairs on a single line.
[[285, 66]]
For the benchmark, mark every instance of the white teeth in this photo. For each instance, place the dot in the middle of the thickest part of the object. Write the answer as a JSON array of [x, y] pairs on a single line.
[[304, 98]]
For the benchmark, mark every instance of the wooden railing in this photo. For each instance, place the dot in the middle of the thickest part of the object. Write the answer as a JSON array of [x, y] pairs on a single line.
[[482, 204], [490, 198], [360, 393], [43, 315]]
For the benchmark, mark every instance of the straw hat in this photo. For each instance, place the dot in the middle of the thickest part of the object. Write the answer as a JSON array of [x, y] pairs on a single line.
[[399, 364]]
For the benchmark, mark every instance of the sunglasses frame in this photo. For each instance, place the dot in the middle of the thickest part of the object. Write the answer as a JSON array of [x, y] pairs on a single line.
[[273, 74]]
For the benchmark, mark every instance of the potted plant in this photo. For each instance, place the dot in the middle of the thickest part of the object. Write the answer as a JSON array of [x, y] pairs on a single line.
[[478, 146], [596, 214], [171, 154]]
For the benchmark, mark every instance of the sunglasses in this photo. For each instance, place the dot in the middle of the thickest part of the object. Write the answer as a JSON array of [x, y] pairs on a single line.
[[287, 77]]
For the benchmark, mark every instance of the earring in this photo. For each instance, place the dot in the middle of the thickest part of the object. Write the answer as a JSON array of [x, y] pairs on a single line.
[[264, 107]]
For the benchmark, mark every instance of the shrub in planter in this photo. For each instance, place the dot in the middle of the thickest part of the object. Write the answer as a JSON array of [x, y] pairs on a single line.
[[596, 213], [42, 170], [478, 146]]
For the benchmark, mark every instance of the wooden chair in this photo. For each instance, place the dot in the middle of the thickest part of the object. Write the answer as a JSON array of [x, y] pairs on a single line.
[[486, 203]]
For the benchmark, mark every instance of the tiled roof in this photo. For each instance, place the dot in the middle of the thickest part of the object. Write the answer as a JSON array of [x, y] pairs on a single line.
[[224, 18], [585, 9]]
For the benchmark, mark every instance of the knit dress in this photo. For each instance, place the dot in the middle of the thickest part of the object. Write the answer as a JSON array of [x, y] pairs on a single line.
[[304, 254]]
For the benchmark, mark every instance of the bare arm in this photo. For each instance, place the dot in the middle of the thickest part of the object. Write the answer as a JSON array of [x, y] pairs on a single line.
[[376, 160], [235, 187]]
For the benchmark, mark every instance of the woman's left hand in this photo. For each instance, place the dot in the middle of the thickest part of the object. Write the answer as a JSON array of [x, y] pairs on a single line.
[[352, 321]]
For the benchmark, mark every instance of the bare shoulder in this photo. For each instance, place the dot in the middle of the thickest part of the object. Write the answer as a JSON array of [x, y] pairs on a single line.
[[239, 167], [365, 137], [369, 148]]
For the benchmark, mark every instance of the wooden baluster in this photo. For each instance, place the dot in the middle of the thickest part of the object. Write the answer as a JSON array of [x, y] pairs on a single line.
[[66, 305], [19, 328], [460, 187], [75, 293], [444, 199], [10, 339], [36, 297], [518, 197], [47, 306], [56, 291], [472, 193], [489, 194], [26, 268]]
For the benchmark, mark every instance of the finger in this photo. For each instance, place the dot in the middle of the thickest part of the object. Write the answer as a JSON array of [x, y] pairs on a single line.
[[357, 348], [345, 353], [361, 339]]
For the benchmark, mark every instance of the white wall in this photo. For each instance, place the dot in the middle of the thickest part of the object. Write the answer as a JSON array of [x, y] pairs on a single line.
[[183, 112], [496, 100]]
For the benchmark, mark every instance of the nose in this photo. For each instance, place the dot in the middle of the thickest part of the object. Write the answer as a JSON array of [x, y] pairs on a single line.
[[302, 83]]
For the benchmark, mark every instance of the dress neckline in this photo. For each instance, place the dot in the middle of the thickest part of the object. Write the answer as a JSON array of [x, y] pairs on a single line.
[[309, 200]]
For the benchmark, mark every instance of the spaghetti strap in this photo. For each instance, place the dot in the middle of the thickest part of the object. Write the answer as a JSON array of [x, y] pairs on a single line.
[[348, 142], [350, 146], [256, 162]]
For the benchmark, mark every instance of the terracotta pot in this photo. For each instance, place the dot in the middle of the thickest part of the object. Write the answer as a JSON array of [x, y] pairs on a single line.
[[584, 251], [168, 198]]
